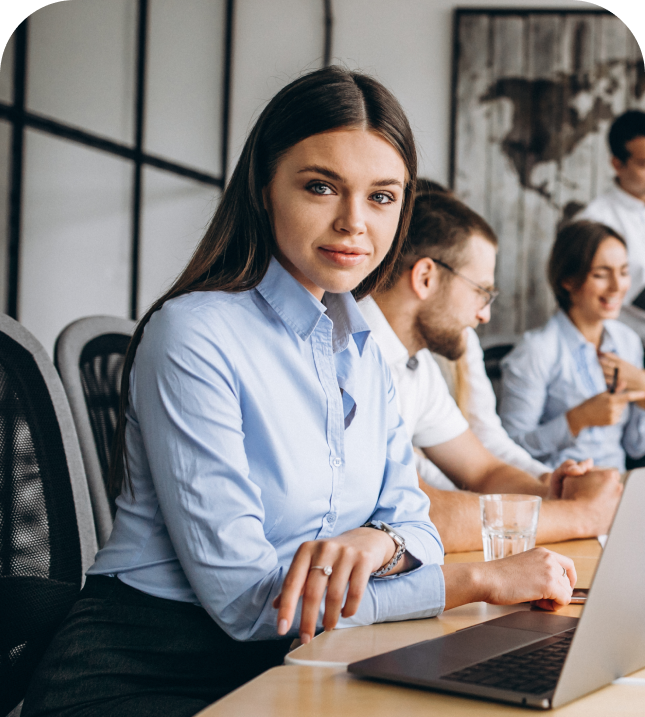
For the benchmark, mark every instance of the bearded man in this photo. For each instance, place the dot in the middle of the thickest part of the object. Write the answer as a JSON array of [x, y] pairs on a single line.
[[441, 289]]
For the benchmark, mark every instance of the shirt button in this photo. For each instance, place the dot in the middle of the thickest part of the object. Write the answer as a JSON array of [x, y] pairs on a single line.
[[336, 462], [331, 517]]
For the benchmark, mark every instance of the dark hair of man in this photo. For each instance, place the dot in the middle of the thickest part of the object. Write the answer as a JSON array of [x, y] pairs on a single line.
[[628, 126], [237, 247], [572, 254], [440, 229]]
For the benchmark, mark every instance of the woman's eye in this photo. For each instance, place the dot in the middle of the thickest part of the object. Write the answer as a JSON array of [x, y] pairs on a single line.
[[319, 188], [382, 198]]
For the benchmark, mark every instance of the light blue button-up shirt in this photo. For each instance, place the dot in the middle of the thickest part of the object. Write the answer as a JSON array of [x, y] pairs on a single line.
[[257, 421], [554, 369]]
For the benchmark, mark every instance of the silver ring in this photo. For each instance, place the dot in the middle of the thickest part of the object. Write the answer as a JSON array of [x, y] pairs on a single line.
[[327, 569], [564, 572]]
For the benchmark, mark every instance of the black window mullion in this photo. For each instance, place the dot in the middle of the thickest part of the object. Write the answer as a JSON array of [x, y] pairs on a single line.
[[17, 162], [328, 32], [139, 122], [228, 74]]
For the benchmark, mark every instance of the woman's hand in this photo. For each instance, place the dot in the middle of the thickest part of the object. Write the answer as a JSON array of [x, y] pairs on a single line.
[[353, 556], [631, 376], [538, 575], [605, 409]]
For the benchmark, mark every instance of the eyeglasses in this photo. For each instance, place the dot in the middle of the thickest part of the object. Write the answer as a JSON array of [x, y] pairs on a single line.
[[489, 294]]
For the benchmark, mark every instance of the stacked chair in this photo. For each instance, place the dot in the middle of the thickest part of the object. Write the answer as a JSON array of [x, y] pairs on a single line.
[[89, 356], [47, 532]]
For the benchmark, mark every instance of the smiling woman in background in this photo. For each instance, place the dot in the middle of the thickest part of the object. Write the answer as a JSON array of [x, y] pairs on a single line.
[[267, 483], [562, 396]]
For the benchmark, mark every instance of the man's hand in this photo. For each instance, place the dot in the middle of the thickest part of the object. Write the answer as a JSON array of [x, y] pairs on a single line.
[[597, 493], [568, 468], [605, 409], [538, 575]]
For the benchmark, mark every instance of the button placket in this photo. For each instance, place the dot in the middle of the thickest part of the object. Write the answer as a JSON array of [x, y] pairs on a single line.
[[325, 364]]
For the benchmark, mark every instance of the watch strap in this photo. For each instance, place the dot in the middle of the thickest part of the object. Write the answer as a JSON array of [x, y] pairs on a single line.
[[399, 541]]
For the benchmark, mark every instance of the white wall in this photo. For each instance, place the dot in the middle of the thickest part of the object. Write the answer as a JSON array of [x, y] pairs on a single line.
[[407, 44], [82, 57]]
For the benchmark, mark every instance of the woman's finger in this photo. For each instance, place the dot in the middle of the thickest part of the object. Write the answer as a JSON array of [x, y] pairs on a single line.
[[315, 587], [336, 590], [357, 584], [292, 588]]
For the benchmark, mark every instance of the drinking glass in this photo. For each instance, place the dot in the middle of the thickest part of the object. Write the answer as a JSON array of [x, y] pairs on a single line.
[[509, 523]]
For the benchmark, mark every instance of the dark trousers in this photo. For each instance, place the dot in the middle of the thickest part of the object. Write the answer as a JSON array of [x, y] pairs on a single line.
[[122, 652]]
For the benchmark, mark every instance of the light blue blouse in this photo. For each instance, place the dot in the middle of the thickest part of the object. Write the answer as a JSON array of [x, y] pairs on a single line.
[[554, 369], [257, 421]]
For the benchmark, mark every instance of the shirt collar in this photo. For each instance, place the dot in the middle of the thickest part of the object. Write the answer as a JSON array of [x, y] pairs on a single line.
[[625, 198], [575, 339], [301, 311], [389, 343]]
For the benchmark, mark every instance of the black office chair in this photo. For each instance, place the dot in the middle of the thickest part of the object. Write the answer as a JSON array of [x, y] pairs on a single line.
[[47, 534], [493, 356], [89, 355]]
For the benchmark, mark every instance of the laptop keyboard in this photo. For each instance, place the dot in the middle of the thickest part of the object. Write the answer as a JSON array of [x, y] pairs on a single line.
[[533, 672]]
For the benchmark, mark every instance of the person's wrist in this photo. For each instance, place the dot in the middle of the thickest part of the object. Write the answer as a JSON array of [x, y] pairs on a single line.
[[574, 420], [580, 519], [477, 582], [387, 547]]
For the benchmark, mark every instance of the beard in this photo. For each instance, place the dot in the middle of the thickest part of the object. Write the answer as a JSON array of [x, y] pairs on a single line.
[[435, 330]]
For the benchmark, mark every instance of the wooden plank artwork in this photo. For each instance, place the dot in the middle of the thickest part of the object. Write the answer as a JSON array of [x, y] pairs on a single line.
[[534, 96]]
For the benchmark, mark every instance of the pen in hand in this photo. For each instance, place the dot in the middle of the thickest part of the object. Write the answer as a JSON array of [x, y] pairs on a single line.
[[614, 381]]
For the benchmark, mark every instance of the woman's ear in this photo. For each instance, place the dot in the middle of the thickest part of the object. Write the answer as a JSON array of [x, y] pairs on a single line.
[[423, 277]]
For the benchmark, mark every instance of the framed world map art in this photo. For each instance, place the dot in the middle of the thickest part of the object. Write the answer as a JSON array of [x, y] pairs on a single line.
[[534, 94]]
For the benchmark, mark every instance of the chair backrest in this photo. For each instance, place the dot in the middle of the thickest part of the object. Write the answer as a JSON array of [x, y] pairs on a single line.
[[89, 355], [47, 534], [493, 356]]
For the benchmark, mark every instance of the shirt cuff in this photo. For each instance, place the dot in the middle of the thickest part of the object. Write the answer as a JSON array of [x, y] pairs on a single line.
[[419, 593]]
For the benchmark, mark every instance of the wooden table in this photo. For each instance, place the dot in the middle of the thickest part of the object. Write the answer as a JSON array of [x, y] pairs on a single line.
[[315, 683]]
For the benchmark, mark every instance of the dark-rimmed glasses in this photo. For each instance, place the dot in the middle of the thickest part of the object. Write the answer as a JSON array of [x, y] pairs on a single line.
[[489, 294]]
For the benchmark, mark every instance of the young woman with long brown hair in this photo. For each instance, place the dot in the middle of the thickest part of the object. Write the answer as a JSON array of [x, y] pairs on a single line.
[[261, 465]]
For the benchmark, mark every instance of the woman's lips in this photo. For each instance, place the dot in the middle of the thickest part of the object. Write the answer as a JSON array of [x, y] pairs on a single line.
[[343, 256]]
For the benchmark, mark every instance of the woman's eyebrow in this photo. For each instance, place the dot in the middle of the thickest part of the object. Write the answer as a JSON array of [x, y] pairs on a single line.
[[322, 170], [319, 169]]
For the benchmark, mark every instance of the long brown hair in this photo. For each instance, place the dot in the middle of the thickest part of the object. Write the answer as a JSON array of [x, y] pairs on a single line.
[[235, 252]]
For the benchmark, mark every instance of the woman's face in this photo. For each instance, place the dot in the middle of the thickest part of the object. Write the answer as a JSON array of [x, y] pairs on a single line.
[[602, 294], [335, 202]]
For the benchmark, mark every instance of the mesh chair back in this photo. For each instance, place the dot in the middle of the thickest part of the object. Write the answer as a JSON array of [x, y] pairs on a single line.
[[89, 355], [47, 535]]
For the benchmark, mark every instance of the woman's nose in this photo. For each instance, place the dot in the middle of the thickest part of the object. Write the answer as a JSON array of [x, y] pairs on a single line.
[[351, 218]]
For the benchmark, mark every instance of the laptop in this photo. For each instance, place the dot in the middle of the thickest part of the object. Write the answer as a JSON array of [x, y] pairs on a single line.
[[540, 659]]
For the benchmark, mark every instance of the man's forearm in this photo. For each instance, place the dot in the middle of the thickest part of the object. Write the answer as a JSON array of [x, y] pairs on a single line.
[[504, 478], [563, 520], [456, 517]]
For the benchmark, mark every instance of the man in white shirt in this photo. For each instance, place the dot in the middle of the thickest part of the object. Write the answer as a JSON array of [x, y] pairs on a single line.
[[442, 285], [623, 207]]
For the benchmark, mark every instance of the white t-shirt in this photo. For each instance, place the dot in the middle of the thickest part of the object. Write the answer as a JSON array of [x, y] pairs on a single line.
[[429, 412], [625, 214], [482, 414]]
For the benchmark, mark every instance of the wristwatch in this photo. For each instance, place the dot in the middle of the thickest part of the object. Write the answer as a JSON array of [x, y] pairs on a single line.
[[399, 541]]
